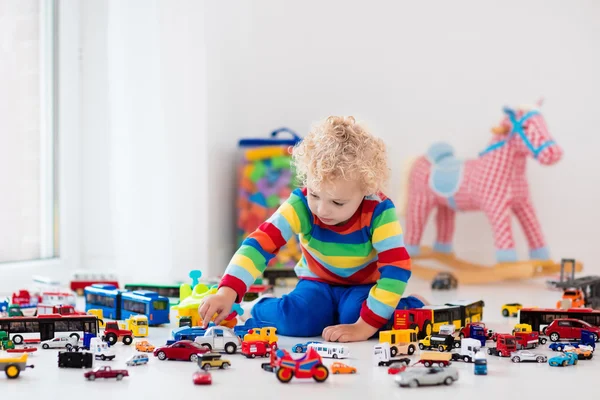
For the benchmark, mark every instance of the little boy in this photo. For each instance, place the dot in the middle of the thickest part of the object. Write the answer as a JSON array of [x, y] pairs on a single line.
[[354, 267]]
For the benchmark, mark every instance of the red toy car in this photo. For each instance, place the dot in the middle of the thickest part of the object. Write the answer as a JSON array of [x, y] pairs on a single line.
[[182, 350], [569, 328], [202, 377], [255, 348], [106, 373], [396, 368]]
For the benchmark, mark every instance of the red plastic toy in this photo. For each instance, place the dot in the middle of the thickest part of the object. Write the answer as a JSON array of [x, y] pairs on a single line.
[[258, 348], [309, 366], [25, 349], [202, 377], [112, 333], [106, 373], [569, 328], [505, 344]]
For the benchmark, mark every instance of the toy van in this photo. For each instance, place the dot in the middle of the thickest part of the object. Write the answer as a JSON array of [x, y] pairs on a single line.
[[101, 350], [330, 350]]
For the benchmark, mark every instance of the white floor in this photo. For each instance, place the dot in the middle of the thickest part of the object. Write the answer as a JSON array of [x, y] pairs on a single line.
[[245, 379]]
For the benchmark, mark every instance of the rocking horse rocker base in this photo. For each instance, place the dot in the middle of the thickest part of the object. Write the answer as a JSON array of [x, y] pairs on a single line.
[[468, 273]]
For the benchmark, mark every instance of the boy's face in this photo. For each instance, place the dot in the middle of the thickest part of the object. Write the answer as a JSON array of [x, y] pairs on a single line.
[[335, 202]]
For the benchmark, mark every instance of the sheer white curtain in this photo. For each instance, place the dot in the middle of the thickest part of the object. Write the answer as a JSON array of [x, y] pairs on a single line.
[[144, 134]]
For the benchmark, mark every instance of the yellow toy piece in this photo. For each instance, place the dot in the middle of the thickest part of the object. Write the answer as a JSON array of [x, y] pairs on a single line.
[[524, 328], [138, 325], [13, 366], [263, 153], [266, 334], [98, 313], [511, 309]]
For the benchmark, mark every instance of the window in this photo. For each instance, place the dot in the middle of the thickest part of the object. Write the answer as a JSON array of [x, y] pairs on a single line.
[[61, 326], [564, 323], [160, 305], [134, 306], [29, 215]]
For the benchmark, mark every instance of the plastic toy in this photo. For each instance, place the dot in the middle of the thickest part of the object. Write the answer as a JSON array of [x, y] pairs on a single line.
[[26, 349], [58, 343], [583, 352], [476, 330], [265, 334], [308, 366], [75, 359], [5, 342], [14, 366], [213, 360], [402, 341], [430, 358], [526, 355], [569, 328], [480, 367], [444, 281], [330, 350], [589, 285], [468, 349], [202, 377], [113, 333], [100, 349], [106, 373], [494, 183], [511, 309], [220, 339], [340, 368], [301, 347], [256, 348], [563, 360], [416, 377], [505, 345], [437, 341], [185, 350], [526, 337], [82, 279], [45, 327], [138, 325], [396, 368], [137, 359], [188, 307], [144, 346], [382, 356]]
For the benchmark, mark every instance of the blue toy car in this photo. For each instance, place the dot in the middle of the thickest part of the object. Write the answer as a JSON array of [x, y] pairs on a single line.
[[301, 347], [480, 367], [563, 360], [559, 346], [137, 359]]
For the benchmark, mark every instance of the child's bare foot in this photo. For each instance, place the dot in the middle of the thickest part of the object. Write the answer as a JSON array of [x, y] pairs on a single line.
[[423, 300]]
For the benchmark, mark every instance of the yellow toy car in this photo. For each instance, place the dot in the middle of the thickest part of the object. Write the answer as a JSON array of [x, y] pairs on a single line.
[[144, 346], [341, 368], [511, 309], [213, 360]]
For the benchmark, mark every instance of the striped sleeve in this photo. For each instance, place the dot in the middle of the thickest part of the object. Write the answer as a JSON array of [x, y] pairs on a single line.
[[253, 256], [393, 263]]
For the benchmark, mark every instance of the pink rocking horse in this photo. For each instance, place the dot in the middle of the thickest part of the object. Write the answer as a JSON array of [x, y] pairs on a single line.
[[494, 183]]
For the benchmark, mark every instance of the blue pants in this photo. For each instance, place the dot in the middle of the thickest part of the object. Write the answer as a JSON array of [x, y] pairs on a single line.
[[312, 306]]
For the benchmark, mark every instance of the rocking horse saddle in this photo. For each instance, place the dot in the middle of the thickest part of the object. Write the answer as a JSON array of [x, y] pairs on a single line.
[[446, 171]]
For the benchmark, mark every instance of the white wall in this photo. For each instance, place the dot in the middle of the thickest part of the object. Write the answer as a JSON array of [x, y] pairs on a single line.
[[168, 80]]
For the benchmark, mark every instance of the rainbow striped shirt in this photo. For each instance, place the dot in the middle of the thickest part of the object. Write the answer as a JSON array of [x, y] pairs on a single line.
[[369, 248]]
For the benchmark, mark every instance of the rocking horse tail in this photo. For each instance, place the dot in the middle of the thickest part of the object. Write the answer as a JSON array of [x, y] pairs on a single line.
[[402, 203]]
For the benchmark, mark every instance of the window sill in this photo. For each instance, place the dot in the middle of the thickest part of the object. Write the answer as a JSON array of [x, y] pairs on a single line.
[[19, 275]]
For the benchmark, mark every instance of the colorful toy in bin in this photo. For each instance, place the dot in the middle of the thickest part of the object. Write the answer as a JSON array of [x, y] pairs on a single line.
[[266, 180], [188, 307]]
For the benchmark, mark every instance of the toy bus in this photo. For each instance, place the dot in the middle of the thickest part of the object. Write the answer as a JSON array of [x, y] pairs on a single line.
[[44, 327], [171, 291], [470, 311], [83, 279], [119, 304], [429, 319], [540, 318]]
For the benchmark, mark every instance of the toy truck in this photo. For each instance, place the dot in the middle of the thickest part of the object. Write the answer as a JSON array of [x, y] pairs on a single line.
[[468, 349], [382, 356], [526, 328], [100, 349], [480, 367], [113, 333], [477, 328], [402, 341], [256, 348], [505, 344], [138, 325], [429, 358], [12, 367], [436, 341]]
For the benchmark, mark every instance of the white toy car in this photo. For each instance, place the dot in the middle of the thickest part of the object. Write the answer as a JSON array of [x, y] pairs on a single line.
[[137, 359], [220, 338], [415, 377], [59, 342], [526, 355]]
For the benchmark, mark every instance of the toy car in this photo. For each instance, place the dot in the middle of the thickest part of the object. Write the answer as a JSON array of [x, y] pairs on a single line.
[[301, 347], [444, 280], [480, 367], [137, 359], [213, 360], [341, 368], [415, 377], [511, 309], [59, 343], [573, 298], [570, 328], [583, 352], [75, 359], [526, 355], [181, 350], [201, 377], [563, 360], [219, 338], [396, 368], [106, 373], [144, 346], [559, 346]]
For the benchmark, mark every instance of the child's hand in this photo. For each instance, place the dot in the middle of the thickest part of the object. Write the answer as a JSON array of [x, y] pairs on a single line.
[[219, 303], [355, 332]]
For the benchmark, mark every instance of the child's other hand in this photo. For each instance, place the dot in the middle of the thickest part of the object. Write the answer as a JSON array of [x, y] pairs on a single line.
[[219, 303], [355, 332]]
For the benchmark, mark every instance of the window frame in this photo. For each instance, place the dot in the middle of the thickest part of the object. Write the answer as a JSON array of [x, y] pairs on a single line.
[[67, 179]]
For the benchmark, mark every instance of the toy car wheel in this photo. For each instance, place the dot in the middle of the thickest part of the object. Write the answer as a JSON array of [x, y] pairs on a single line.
[[575, 362], [353, 371], [225, 365], [543, 340], [413, 384], [18, 339], [411, 350], [208, 346], [559, 348], [427, 364], [12, 371], [448, 381], [206, 367], [516, 359], [540, 359], [595, 337], [489, 351], [230, 348], [127, 340], [298, 349], [554, 337], [421, 346], [393, 352], [75, 336], [92, 377], [285, 374], [321, 373], [467, 359], [505, 313], [45, 346], [119, 377], [564, 363], [111, 339], [161, 355], [441, 348], [194, 358]]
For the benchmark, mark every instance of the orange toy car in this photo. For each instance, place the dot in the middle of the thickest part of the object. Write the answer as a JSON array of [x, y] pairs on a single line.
[[144, 346], [340, 368], [575, 296]]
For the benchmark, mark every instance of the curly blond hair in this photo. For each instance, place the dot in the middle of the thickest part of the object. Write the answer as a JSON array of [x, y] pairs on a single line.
[[339, 147]]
